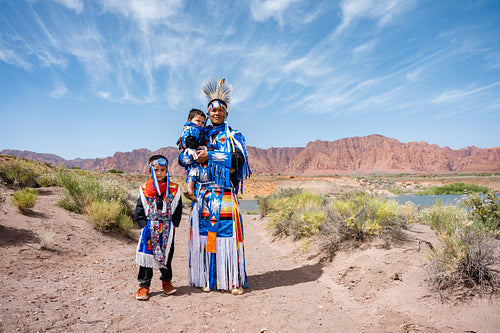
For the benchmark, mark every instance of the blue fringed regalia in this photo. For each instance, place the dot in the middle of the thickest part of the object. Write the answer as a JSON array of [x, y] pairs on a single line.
[[216, 252]]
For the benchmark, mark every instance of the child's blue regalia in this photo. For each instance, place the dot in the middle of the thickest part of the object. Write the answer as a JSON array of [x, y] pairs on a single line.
[[216, 242], [192, 137]]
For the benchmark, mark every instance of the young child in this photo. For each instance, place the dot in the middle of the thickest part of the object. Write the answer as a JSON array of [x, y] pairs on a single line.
[[192, 138], [158, 212]]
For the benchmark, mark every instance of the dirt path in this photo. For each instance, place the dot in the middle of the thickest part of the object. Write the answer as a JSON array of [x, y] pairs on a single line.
[[86, 283]]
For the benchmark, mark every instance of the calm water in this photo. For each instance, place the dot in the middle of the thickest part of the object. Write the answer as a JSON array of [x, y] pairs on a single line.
[[429, 200], [419, 200], [249, 205]]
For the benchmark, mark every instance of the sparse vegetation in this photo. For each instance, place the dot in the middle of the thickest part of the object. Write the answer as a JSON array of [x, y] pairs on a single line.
[[106, 203], [103, 214], [2, 195], [125, 223], [466, 255], [270, 203], [20, 173], [46, 237], [455, 188], [297, 213], [355, 216], [24, 199], [485, 212]]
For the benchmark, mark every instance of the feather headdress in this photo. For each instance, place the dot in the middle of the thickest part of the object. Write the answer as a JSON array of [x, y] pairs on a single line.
[[217, 91]]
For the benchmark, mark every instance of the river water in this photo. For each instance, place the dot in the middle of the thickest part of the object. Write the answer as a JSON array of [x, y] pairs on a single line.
[[250, 205]]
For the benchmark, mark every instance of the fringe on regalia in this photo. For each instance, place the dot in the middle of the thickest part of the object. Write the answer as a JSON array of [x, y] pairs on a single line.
[[216, 252], [144, 255]]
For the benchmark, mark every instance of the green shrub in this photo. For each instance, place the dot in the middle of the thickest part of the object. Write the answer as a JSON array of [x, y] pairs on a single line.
[[359, 215], [352, 216], [455, 188], [24, 199], [444, 218], [105, 202], [103, 214], [396, 190], [271, 202], [297, 213], [466, 254], [19, 172], [125, 223], [485, 211], [47, 180], [79, 191]]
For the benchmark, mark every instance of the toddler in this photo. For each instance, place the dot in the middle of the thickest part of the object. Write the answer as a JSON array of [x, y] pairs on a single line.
[[192, 139]]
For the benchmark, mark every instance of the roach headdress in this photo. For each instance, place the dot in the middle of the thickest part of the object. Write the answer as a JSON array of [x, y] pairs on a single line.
[[218, 93]]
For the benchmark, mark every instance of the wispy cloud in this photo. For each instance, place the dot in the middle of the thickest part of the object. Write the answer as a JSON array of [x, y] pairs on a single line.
[[381, 11], [364, 48], [455, 95], [76, 5], [10, 57], [59, 91], [263, 10], [145, 12], [492, 60], [415, 75]]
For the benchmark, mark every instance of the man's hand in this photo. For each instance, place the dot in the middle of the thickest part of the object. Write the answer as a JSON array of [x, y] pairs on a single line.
[[202, 156]]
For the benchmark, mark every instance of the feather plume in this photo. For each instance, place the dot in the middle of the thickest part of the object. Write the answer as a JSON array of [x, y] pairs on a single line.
[[217, 90]]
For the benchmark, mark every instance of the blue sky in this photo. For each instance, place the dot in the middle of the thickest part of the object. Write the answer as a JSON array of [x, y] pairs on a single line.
[[90, 78]]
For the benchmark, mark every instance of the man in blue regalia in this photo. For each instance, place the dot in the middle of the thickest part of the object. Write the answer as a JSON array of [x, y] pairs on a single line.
[[216, 252]]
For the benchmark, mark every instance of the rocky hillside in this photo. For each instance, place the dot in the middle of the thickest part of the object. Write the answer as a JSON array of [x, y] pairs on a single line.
[[356, 155]]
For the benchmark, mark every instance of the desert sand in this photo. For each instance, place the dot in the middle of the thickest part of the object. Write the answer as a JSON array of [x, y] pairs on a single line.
[[85, 281]]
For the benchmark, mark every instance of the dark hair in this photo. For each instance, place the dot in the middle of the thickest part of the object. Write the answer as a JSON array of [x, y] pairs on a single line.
[[195, 112], [155, 157]]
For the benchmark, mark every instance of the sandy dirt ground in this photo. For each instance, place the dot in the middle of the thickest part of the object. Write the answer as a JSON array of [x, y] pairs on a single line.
[[85, 282]]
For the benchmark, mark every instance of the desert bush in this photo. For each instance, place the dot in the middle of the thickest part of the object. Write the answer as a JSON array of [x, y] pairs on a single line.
[[396, 190], [357, 216], [24, 199], [352, 216], [79, 190], [20, 173], [455, 188], [2, 194], [466, 254], [296, 213], [103, 214], [105, 202], [124, 223], [271, 202], [485, 211], [46, 237], [48, 179]]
